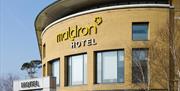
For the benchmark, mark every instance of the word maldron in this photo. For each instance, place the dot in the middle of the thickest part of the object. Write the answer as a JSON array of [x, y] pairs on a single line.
[[79, 31]]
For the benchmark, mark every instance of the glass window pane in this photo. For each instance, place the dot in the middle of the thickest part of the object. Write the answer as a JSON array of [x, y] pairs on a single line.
[[77, 70], [110, 67], [69, 71], [85, 69], [99, 70], [120, 66], [44, 51], [44, 70], [77, 73], [140, 31], [55, 71], [139, 66]]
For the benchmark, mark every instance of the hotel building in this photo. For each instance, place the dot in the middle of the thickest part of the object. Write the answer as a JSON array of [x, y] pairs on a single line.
[[107, 45]]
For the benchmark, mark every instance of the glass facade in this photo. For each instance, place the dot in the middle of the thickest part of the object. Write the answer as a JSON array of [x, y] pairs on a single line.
[[110, 66], [56, 70], [77, 69], [140, 65], [140, 31]]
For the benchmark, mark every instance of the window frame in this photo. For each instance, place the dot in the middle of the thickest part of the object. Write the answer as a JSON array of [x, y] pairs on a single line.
[[43, 50], [147, 64], [96, 66], [44, 69], [68, 73], [140, 23], [51, 74]]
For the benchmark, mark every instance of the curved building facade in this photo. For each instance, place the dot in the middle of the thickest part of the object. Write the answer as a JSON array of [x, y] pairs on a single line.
[[104, 45]]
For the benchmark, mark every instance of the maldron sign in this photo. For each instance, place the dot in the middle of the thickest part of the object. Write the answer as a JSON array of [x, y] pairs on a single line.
[[79, 31]]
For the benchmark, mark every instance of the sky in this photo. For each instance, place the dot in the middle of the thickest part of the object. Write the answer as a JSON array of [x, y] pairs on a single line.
[[18, 43]]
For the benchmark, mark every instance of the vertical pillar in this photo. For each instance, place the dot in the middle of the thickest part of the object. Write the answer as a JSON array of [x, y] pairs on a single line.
[[171, 50], [91, 69]]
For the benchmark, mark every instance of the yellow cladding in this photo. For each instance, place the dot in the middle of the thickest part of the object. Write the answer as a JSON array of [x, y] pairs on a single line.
[[113, 32]]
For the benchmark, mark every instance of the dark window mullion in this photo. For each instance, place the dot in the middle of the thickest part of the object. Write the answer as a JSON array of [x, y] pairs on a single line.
[[117, 68], [102, 65], [83, 69], [71, 71]]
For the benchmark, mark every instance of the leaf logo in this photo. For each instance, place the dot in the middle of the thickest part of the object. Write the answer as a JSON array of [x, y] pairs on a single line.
[[98, 20]]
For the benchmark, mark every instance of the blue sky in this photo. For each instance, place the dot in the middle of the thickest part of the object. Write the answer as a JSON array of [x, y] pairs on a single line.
[[18, 42]]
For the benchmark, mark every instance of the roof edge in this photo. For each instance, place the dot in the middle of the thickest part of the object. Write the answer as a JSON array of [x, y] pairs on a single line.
[[36, 29], [107, 8]]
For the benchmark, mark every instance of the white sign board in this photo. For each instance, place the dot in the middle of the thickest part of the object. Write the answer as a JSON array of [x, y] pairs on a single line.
[[44, 84]]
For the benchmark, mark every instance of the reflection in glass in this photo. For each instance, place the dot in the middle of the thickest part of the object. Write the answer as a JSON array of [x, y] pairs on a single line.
[[77, 69], [140, 31], [139, 65], [55, 70], [110, 66]]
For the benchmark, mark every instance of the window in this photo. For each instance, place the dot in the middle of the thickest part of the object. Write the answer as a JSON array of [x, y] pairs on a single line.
[[44, 51], [55, 70], [140, 31], [77, 69], [139, 65], [110, 66], [44, 70]]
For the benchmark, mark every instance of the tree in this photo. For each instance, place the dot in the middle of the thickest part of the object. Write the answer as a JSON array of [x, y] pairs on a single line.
[[6, 83], [31, 67], [177, 52], [140, 68], [164, 48]]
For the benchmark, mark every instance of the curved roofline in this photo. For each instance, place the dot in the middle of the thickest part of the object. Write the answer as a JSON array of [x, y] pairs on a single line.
[[67, 7], [38, 39], [43, 11], [106, 8], [63, 8]]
